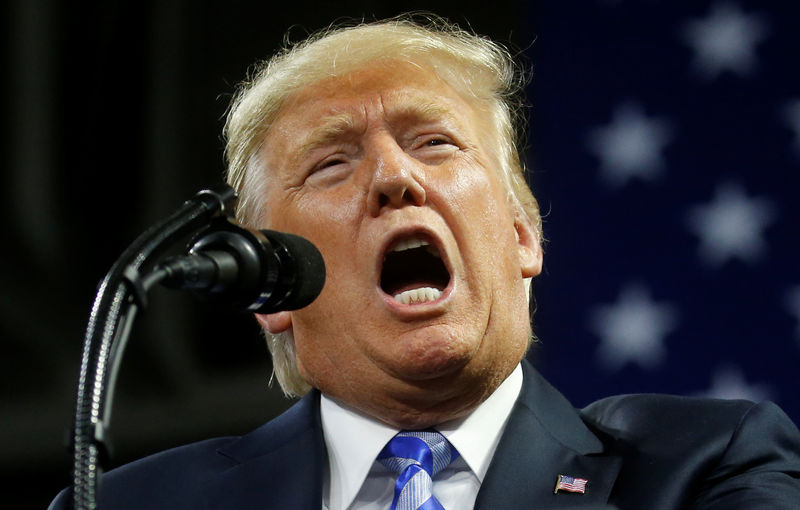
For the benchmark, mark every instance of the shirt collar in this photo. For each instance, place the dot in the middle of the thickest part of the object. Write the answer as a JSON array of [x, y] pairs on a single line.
[[354, 439], [476, 435]]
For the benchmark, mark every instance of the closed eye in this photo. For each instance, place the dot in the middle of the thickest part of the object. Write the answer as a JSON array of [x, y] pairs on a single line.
[[329, 171], [329, 163], [436, 141], [434, 149]]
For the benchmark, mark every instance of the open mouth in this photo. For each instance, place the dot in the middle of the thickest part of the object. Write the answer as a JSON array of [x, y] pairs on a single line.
[[413, 271]]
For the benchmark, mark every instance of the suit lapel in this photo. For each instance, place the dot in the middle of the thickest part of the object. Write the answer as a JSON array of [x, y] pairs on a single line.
[[278, 466], [544, 437], [281, 464]]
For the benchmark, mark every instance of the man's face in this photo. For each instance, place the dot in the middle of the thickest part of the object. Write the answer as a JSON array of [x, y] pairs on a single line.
[[423, 313]]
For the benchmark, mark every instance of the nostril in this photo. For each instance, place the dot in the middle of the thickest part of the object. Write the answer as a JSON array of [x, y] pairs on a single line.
[[383, 200], [408, 197]]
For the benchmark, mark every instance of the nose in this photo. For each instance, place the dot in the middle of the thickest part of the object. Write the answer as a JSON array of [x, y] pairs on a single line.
[[397, 180]]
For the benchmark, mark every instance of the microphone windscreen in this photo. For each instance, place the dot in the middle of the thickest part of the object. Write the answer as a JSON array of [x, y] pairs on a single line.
[[309, 268]]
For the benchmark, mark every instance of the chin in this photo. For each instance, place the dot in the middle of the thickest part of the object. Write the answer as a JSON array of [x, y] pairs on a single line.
[[432, 358], [434, 368]]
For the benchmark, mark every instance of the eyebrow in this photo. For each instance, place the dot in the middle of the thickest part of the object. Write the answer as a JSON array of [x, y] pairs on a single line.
[[329, 130], [333, 128], [423, 111]]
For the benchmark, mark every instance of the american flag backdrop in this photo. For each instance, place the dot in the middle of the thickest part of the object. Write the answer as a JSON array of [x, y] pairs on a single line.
[[665, 151]]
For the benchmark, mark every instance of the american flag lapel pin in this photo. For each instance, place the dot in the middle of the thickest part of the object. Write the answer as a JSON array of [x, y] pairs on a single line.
[[570, 484]]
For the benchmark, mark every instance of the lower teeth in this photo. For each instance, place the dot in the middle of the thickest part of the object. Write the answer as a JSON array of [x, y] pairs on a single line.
[[420, 295]]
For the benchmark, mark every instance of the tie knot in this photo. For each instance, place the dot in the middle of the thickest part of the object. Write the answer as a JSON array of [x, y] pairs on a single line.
[[427, 449]]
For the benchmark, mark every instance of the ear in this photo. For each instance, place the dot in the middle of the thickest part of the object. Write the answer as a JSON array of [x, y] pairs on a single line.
[[529, 247], [275, 322]]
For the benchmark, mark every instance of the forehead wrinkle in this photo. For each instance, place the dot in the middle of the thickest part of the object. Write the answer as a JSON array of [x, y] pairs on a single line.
[[329, 130], [421, 110], [405, 106]]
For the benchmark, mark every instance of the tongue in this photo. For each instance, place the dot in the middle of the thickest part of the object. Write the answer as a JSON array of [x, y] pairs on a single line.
[[418, 295]]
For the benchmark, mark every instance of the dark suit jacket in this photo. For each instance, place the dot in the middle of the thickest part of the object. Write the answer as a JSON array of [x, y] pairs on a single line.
[[650, 452]]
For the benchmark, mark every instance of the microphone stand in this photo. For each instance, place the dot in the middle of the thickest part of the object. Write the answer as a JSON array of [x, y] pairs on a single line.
[[121, 293]]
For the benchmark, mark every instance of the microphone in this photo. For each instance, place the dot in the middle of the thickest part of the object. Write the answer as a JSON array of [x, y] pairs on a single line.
[[261, 271]]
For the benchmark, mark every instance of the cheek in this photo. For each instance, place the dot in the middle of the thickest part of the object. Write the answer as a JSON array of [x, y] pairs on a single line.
[[329, 205], [324, 216], [312, 328], [311, 364], [466, 184], [478, 203], [329, 219]]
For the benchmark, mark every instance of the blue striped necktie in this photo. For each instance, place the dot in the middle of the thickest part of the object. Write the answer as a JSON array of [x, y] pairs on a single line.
[[416, 456]]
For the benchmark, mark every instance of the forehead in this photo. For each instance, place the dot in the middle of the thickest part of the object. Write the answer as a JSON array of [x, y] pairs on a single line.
[[395, 91]]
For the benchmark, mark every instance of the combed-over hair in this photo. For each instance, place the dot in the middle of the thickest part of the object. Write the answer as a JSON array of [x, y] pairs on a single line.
[[480, 70]]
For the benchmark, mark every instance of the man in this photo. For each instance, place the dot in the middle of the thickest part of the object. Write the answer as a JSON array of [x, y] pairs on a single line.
[[391, 147]]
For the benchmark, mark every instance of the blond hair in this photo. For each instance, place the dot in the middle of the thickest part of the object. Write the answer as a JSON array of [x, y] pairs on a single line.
[[480, 70]]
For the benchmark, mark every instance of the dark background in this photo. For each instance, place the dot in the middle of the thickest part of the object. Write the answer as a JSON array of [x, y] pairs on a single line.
[[112, 113]]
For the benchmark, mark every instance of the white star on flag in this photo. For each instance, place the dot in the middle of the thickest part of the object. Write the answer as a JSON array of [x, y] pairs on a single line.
[[725, 40], [632, 329], [729, 383], [793, 307], [630, 146], [792, 116], [731, 226]]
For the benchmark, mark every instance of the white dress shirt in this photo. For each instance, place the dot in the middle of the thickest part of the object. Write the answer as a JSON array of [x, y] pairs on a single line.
[[356, 481]]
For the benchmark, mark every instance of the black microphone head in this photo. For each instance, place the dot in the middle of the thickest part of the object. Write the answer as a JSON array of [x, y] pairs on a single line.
[[260, 271], [308, 268]]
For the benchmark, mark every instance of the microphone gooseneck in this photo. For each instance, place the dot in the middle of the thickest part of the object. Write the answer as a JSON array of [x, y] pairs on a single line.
[[260, 271]]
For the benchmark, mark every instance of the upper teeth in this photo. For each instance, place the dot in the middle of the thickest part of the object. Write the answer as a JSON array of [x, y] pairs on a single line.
[[409, 244]]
